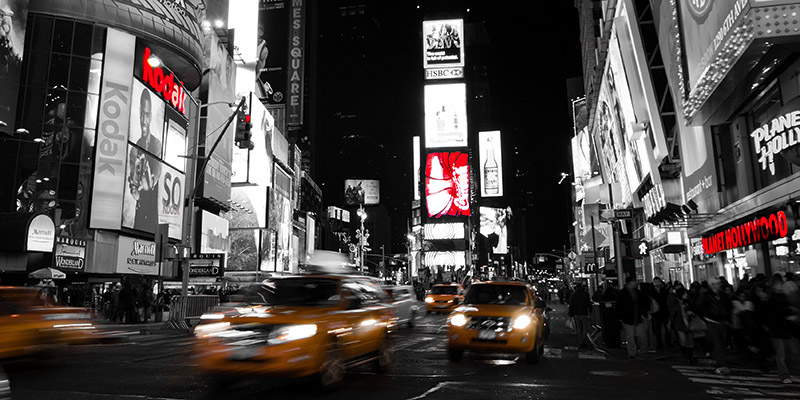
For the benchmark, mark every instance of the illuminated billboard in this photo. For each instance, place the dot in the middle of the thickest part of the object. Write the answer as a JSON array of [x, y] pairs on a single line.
[[362, 191], [213, 234], [446, 115], [491, 164], [14, 19], [272, 51], [444, 231], [443, 43], [447, 184], [445, 259], [494, 221]]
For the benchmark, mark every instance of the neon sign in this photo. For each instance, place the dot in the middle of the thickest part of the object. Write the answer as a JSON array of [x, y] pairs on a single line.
[[769, 227], [164, 83]]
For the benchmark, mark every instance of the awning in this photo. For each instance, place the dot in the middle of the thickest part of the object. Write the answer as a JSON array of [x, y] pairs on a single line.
[[23, 232]]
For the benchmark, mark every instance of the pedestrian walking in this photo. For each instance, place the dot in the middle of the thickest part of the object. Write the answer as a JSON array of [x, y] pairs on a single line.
[[781, 321], [633, 306], [579, 308], [715, 308], [660, 315], [681, 319]]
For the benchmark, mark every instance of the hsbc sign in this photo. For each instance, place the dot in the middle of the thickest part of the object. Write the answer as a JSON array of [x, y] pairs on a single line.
[[444, 73]]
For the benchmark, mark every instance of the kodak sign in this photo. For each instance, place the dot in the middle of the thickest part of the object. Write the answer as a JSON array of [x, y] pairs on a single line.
[[164, 83], [769, 227]]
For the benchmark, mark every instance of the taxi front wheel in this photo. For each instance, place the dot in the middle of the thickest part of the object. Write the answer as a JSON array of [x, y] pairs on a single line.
[[532, 357], [331, 373], [384, 359]]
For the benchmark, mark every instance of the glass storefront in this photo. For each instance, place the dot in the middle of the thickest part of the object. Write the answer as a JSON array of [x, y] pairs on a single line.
[[784, 254]]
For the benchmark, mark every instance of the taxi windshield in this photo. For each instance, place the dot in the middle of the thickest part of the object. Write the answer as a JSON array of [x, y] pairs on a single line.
[[318, 292], [511, 295], [444, 290]]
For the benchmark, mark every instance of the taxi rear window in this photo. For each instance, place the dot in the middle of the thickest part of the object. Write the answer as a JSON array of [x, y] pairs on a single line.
[[511, 295], [444, 290]]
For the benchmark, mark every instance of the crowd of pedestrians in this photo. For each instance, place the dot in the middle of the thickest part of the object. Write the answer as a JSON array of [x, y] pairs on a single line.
[[759, 319]]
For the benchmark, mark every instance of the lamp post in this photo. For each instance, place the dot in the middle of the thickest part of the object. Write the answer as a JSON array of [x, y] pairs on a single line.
[[362, 235]]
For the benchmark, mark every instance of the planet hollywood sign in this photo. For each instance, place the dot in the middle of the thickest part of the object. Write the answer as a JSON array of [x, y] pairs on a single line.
[[769, 227], [781, 134]]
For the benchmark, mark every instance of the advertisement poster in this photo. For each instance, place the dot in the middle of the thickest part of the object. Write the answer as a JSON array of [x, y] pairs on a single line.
[[447, 184], [14, 15], [109, 167], [280, 210], [296, 70], [443, 43], [669, 38], [272, 51], [175, 145], [637, 164], [445, 231], [249, 207], [147, 119], [494, 224], [141, 197], [491, 164], [170, 203], [213, 234], [446, 115], [217, 178], [707, 26], [268, 251], [70, 254], [362, 191], [243, 255], [613, 148], [136, 256]]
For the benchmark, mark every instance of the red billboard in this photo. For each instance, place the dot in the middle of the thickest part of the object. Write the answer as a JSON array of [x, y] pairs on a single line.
[[447, 184]]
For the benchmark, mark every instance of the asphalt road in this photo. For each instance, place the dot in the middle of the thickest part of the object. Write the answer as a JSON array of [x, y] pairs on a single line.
[[159, 366]]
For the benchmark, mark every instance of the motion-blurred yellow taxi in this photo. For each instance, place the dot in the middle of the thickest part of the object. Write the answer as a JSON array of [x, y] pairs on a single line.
[[497, 317], [295, 326], [28, 327], [443, 298]]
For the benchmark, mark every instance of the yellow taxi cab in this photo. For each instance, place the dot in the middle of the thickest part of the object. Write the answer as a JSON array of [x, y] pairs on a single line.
[[28, 327], [497, 317], [297, 326], [443, 298]]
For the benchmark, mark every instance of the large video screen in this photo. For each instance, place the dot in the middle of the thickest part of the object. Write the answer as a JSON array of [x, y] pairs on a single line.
[[446, 115], [447, 184], [494, 221], [444, 46]]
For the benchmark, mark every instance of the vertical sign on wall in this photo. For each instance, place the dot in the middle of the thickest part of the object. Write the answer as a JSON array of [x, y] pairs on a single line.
[[417, 166], [12, 39], [297, 31], [112, 134]]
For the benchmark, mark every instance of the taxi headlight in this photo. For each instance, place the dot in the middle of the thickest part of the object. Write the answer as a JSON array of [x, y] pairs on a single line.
[[206, 330], [429, 299], [212, 316], [458, 320], [522, 322], [289, 333]]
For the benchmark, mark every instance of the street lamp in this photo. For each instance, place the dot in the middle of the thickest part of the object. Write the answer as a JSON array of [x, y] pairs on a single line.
[[362, 235]]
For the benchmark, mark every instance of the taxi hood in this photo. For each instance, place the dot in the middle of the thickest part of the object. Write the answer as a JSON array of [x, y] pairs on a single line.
[[493, 310]]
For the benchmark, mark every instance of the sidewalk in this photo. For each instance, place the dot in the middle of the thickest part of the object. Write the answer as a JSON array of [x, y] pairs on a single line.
[[566, 338], [110, 329]]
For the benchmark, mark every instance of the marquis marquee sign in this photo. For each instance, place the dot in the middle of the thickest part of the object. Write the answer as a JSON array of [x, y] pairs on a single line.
[[772, 226]]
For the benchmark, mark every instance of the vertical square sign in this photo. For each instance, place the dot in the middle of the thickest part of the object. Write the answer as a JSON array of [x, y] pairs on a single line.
[[447, 184], [491, 164], [446, 115]]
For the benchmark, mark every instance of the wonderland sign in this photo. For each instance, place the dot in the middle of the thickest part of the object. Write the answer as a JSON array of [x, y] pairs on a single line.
[[769, 227]]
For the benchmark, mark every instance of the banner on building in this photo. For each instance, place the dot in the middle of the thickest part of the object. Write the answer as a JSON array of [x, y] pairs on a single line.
[[136, 256], [14, 14], [494, 225], [447, 184], [112, 133], [491, 163], [362, 191], [70, 254], [297, 38], [446, 115], [443, 43], [213, 234]]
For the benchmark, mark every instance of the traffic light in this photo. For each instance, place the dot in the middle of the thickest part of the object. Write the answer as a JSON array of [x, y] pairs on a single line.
[[243, 134]]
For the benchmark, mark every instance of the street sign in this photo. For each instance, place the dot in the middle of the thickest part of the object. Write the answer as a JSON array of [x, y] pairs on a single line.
[[623, 214], [589, 257], [572, 256]]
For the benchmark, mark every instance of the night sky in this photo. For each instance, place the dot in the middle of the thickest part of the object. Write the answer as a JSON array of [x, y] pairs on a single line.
[[370, 69]]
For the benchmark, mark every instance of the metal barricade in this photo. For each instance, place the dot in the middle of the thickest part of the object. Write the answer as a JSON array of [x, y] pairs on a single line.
[[194, 307]]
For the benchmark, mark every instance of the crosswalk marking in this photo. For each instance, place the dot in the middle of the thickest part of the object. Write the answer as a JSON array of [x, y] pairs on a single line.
[[743, 383]]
